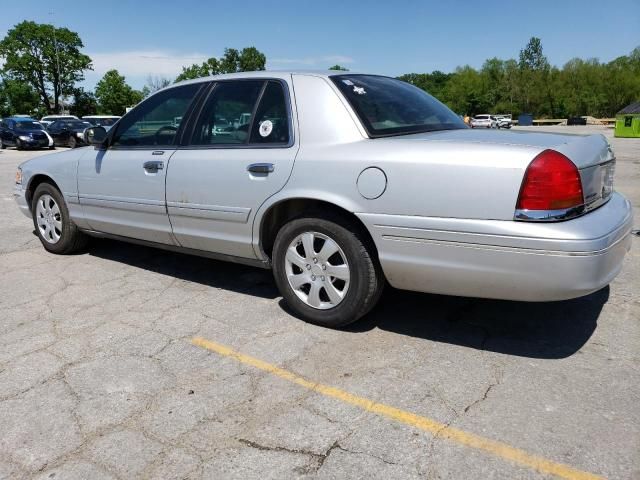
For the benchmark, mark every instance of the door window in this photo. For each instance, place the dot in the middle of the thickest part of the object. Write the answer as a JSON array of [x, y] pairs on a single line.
[[155, 122], [271, 125], [226, 116]]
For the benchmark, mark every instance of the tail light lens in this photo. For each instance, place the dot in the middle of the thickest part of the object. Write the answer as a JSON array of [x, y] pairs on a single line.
[[551, 182]]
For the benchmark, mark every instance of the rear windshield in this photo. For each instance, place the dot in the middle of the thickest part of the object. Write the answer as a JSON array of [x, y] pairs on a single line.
[[387, 106]]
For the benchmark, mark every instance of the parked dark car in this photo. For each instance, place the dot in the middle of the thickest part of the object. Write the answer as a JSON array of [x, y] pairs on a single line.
[[23, 132], [68, 133]]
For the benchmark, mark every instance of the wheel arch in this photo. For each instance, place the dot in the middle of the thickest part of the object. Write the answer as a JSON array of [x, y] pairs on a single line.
[[284, 210], [34, 182]]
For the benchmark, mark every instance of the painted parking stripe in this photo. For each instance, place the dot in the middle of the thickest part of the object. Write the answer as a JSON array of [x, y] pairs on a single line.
[[426, 424]]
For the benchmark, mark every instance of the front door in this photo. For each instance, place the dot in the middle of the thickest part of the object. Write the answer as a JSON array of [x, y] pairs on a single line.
[[241, 152], [122, 188]]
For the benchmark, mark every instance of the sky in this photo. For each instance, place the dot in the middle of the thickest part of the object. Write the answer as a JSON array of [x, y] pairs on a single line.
[[142, 37]]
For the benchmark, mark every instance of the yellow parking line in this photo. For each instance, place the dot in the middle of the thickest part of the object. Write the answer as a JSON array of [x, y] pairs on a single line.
[[434, 427]]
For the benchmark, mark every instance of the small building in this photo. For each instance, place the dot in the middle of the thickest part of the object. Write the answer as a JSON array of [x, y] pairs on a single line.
[[628, 121]]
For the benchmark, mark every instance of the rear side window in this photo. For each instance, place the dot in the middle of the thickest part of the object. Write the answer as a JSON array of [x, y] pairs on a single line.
[[387, 106], [271, 125], [156, 120], [227, 113]]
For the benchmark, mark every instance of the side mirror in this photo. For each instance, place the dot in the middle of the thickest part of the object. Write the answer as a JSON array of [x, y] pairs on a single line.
[[95, 135]]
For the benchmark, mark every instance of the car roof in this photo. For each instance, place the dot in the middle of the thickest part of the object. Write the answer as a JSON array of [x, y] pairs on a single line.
[[101, 116], [266, 74]]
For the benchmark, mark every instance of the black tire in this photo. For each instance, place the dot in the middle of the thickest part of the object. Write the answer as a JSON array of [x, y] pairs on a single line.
[[2, 145], [71, 238], [73, 143], [366, 280], [18, 144], [52, 147]]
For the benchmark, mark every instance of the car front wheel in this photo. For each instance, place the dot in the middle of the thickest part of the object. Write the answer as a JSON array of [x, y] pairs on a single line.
[[73, 143], [326, 271], [55, 229]]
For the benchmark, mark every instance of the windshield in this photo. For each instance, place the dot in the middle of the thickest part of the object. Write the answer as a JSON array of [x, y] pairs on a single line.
[[53, 119], [74, 124], [28, 126], [387, 106]]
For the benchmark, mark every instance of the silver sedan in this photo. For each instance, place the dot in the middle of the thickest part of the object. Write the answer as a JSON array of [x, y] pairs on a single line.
[[340, 183]]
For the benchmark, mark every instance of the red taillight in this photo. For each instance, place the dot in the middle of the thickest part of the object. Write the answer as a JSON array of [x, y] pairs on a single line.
[[551, 182]]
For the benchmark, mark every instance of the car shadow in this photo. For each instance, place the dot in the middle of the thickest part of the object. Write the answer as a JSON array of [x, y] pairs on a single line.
[[550, 330], [547, 330], [212, 273]]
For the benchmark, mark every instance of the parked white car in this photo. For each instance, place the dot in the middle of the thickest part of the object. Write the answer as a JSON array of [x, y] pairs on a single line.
[[49, 119], [483, 121], [503, 121]]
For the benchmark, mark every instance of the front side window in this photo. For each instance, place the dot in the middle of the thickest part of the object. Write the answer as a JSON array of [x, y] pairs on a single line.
[[387, 106], [271, 125], [152, 123], [226, 116]]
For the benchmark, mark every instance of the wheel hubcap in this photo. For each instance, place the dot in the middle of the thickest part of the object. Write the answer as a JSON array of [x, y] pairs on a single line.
[[49, 219], [317, 270]]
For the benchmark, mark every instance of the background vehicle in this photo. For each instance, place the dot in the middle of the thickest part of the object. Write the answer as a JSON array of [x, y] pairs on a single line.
[[503, 121], [388, 185], [68, 133], [23, 132], [483, 121], [49, 119], [106, 121]]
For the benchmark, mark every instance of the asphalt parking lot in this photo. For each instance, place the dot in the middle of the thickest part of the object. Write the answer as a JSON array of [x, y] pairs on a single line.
[[128, 362]]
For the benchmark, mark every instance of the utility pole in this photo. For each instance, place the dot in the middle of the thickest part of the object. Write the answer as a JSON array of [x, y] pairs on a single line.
[[55, 43]]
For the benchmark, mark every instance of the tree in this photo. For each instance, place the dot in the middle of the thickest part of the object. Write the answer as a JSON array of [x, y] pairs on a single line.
[[18, 97], [249, 59], [114, 95], [45, 57], [339, 68], [84, 103], [154, 84]]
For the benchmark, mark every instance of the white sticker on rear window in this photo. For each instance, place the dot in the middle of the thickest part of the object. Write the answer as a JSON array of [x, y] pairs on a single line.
[[347, 82], [266, 128], [359, 90]]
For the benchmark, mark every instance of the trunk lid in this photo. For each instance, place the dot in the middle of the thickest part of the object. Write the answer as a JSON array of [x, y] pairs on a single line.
[[592, 154]]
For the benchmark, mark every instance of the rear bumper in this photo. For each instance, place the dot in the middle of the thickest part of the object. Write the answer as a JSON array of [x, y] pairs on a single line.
[[504, 259]]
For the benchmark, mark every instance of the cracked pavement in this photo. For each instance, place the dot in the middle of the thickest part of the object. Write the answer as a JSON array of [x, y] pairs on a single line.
[[98, 378]]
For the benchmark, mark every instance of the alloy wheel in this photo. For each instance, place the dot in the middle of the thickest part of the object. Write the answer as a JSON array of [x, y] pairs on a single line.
[[49, 219], [317, 270]]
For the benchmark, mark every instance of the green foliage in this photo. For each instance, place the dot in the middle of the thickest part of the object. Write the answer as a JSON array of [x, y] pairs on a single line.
[[46, 58], [339, 68], [84, 103], [530, 84], [18, 98], [248, 60], [114, 95]]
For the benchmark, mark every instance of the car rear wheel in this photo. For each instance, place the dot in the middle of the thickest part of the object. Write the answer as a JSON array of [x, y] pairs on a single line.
[[55, 229], [2, 145], [326, 271], [18, 144]]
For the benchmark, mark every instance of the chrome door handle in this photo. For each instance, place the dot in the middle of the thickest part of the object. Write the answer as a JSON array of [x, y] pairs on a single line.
[[153, 165], [261, 168], [157, 152]]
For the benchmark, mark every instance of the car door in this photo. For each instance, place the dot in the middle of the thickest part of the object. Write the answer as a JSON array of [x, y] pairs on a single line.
[[57, 132], [122, 188], [241, 152], [9, 137]]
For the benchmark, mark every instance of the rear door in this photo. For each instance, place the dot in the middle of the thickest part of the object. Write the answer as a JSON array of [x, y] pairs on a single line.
[[122, 188], [241, 152]]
